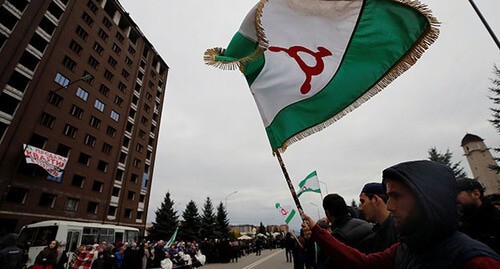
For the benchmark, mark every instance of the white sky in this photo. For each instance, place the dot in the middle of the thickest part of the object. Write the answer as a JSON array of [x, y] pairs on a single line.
[[212, 140]]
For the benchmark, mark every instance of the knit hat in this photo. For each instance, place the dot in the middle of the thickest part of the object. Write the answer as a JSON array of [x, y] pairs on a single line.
[[373, 188]]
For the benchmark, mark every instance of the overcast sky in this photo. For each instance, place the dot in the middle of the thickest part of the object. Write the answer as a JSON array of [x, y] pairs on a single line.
[[212, 141]]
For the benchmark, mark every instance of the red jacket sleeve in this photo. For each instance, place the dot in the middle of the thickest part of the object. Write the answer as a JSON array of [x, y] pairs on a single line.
[[349, 257], [481, 262]]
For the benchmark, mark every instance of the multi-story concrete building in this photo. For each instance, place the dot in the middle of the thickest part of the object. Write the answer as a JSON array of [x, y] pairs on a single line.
[[480, 160], [79, 79]]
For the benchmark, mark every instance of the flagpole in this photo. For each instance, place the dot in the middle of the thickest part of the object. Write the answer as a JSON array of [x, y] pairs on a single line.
[[480, 15], [290, 185]]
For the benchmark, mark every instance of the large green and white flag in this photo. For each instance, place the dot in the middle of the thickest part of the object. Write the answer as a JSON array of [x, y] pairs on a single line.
[[309, 184], [286, 211], [309, 62], [172, 239]]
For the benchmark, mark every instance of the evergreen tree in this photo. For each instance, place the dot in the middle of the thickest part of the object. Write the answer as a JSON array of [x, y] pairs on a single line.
[[165, 222], [222, 223], [190, 229], [207, 220], [445, 158], [262, 229], [495, 89]]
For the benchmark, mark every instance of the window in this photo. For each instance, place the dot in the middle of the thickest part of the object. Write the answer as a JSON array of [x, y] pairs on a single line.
[[112, 211], [47, 200], [69, 63], [115, 116], [74, 46], [93, 62], [108, 75], [76, 111], [83, 94], [61, 80], [98, 48], [119, 37], [106, 148], [128, 61], [89, 140], [92, 6], [122, 87], [47, 120], [71, 204], [116, 48], [70, 131], [19, 4], [134, 178], [142, 134], [55, 99], [119, 175], [102, 166], [7, 19], [81, 33], [92, 208], [139, 215], [118, 101], [131, 50], [139, 148], [63, 150], [147, 108], [112, 61], [126, 142], [142, 198], [16, 195], [129, 127], [137, 163], [123, 157], [103, 35], [111, 131], [19, 81], [87, 19], [99, 105], [106, 23], [84, 159], [55, 10], [131, 195], [128, 213], [78, 181], [149, 97], [104, 90], [29, 61], [125, 74], [144, 120], [47, 26], [97, 186], [148, 155], [116, 192], [38, 42], [95, 122], [89, 81]]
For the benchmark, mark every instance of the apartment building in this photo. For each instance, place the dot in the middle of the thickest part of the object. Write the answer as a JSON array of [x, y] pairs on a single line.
[[78, 79]]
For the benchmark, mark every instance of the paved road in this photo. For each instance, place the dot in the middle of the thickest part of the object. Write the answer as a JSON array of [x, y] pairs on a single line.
[[269, 259]]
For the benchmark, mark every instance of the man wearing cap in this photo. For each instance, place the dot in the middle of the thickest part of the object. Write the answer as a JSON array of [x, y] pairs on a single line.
[[422, 199], [373, 201], [480, 219]]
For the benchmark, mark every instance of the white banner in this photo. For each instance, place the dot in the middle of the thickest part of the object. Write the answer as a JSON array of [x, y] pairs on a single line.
[[52, 163]]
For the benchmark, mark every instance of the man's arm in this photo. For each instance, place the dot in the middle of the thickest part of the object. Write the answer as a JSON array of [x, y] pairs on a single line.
[[481, 262], [345, 255]]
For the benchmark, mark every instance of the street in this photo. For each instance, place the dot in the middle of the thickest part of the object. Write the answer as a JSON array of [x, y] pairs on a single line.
[[269, 259]]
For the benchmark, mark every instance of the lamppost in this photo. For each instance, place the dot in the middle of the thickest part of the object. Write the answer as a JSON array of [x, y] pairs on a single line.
[[228, 196], [317, 208]]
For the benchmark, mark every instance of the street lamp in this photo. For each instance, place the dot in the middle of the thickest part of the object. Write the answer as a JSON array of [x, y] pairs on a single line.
[[228, 196], [317, 208]]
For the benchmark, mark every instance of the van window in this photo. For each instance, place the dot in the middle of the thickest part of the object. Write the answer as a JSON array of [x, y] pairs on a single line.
[[107, 235], [36, 237], [89, 235]]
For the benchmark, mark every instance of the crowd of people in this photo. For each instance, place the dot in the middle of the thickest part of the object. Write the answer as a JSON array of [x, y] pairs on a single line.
[[419, 216]]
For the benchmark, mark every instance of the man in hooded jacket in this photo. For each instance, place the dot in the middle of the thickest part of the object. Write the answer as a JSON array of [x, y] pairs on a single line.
[[422, 199], [11, 257]]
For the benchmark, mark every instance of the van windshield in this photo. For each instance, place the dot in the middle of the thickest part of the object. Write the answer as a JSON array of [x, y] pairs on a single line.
[[37, 236]]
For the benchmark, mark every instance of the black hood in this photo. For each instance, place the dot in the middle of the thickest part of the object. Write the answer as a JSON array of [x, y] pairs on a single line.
[[9, 240], [434, 185]]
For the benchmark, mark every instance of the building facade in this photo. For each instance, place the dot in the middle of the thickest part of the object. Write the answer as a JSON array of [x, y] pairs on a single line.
[[480, 160], [79, 79]]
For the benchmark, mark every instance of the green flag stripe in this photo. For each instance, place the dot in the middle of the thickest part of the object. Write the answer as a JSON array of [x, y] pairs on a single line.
[[365, 62], [290, 216]]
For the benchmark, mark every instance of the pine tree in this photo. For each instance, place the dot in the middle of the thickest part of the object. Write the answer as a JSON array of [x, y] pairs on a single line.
[[495, 89], [445, 158], [207, 220], [190, 229], [166, 220], [222, 223]]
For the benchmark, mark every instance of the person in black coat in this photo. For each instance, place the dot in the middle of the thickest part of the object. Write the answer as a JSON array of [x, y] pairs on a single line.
[[10, 255]]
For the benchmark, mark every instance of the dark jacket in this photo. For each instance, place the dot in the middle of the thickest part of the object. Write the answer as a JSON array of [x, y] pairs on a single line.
[[11, 256], [483, 225], [436, 243], [385, 235], [354, 232]]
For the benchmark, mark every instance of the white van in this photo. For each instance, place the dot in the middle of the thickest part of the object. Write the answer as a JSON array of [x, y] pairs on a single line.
[[34, 237]]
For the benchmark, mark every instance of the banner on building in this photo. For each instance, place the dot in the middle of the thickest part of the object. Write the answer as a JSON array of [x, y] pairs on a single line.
[[52, 163]]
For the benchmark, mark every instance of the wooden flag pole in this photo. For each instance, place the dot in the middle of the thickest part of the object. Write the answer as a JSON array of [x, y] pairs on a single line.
[[485, 23], [290, 185]]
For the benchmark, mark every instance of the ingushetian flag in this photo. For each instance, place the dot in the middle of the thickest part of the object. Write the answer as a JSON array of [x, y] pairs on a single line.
[[309, 184], [286, 212], [172, 239], [309, 62]]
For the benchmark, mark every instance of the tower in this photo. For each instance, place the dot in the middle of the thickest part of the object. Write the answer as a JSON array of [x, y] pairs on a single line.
[[480, 160]]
